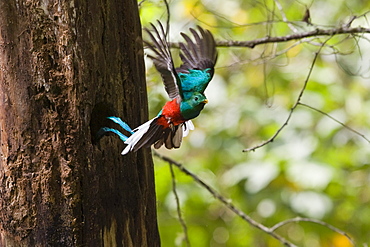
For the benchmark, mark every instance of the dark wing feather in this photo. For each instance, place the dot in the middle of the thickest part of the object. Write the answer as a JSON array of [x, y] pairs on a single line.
[[190, 51], [177, 136], [174, 138], [171, 138], [162, 60], [168, 139], [199, 54], [151, 136]]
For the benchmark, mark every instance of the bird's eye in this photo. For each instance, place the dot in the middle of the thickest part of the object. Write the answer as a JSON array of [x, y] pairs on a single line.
[[196, 98]]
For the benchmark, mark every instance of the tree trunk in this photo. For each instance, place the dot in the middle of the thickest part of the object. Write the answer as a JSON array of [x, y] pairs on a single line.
[[64, 67]]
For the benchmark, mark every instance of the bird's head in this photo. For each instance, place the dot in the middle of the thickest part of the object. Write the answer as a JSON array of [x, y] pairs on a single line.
[[193, 106], [198, 99]]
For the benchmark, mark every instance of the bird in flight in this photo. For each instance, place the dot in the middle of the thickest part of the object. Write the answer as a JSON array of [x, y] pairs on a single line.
[[184, 85]]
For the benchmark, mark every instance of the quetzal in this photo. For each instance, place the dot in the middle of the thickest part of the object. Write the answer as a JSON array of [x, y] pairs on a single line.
[[184, 85]]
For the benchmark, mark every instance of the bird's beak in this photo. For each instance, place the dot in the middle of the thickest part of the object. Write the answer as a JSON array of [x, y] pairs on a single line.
[[205, 101]]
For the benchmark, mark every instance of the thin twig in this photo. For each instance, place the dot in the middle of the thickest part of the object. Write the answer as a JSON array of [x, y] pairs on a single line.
[[271, 139], [182, 222], [140, 3], [336, 120], [226, 202], [285, 19], [299, 219]]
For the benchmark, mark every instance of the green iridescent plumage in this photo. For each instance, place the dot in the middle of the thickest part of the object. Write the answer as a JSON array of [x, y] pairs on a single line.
[[194, 81], [192, 107]]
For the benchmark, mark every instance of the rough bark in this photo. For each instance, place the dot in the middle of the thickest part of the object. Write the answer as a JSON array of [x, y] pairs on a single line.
[[64, 67]]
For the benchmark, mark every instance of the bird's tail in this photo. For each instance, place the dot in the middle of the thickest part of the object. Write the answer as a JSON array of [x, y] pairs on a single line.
[[103, 131], [153, 133], [124, 125]]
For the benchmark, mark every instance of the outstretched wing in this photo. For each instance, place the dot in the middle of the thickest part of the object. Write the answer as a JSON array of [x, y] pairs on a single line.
[[163, 62], [199, 58]]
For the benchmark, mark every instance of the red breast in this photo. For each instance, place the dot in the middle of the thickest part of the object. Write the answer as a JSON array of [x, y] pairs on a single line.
[[171, 114]]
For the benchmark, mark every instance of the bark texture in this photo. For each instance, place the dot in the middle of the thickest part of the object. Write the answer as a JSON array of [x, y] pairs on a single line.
[[64, 67]]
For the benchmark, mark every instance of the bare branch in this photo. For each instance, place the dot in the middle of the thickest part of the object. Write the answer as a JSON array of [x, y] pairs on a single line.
[[295, 36], [294, 106], [245, 217], [299, 219], [182, 222], [225, 201]]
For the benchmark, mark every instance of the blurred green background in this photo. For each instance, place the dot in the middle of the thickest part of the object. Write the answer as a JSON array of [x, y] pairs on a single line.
[[315, 167]]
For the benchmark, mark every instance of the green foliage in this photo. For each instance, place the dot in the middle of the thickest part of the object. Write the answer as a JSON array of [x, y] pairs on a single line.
[[315, 167]]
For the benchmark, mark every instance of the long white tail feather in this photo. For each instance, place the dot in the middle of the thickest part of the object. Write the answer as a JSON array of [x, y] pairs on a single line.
[[140, 131], [135, 137], [187, 126]]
